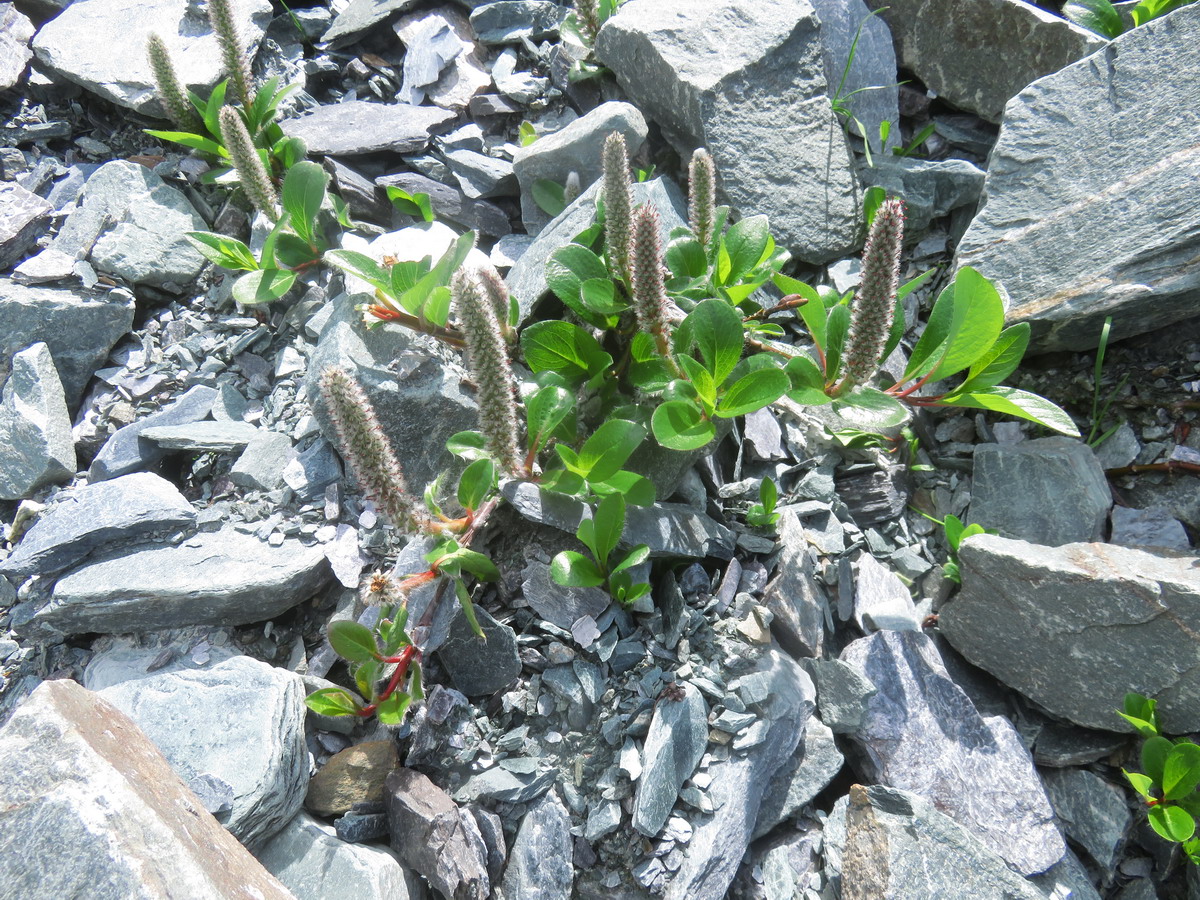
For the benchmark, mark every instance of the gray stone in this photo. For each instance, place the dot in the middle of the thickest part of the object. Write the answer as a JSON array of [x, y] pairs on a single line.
[[676, 741], [520, 87], [501, 784], [1012, 483], [480, 667], [508, 21], [1138, 889], [314, 468], [126, 452], [311, 861], [77, 45], [717, 76], [356, 126], [481, 176], [1074, 627], [435, 837], [540, 864], [132, 659], [923, 734], [843, 694], [789, 862], [1069, 745], [1067, 878], [738, 783], [430, 48], [930, 188], [464, 75], [91, 517], [561, 606], [15, 33], [1131, 230], [527, 278], [815, 763], [241, 720], [1094, 813], [1148, 528], [358, 828], [983, 52], [23, 215], [93, 810], [219, 578], [79, 328], [576, 148], [358, 16], [884, 842], [202, 437], [261, 465], [36, 446], [452, 204], [881, 601], [795, 597]]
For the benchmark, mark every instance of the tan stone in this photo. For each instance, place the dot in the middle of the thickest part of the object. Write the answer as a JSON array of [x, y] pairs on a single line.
[[355, 775]]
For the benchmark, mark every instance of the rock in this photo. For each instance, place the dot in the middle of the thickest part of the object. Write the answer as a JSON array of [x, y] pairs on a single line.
[[1066, 879], [92, 517], [132, 659], [1057, 467], [983, 53], [481, 176], [452, 204], [241, 720], [576, 148], [930, 188], [464, 76], [509, 21], [354, 775], [501, 784], [782, 694], [717, 77], [1067, 745], [561, 606], [356, 126], [884, 842], [261, 465], [1148, 528], [540, 862], [219, 578], [358, 828], [923, 734], [358, 16], [36, 447], [125, 452], [676, 741], [479, 667], [435, 837], [23, 215], [76, 761], [787, 863], [79, 327], [527, 278], [1130, 231], [843, 694], [76, 45], [312, 862], [15, 32], [1075, 628], [202, 437], [794, 597], [431, 45], [815, 763], [521, 87], [881, 601], [1094, 813]]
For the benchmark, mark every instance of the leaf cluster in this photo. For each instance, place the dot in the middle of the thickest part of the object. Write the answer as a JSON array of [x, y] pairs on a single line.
[[1102, 17], [601, 533], [762, 514]]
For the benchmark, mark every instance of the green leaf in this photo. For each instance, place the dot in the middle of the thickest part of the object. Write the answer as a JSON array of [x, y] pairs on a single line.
[[545, 411], [464, 560], [365, 676], [352, 641], [605, 452], [362, 267], [1143, 784], [1099, 16], [998, 362], [1181, 771], [813, 313], [1018, 403], [566, 271], [807, 382], [227, 252], [837, 325], [1143, 727], [768, 495], [333, 701], [262, 286], [636, 489], [391, 711], [468, 608], [685, 258], [747, 245], [565, 348], [753, 391], [635, 557], [608, 523], [467, 445], [292, 251], [194, 141], [701, 380], [716, 329], [679, 425], [550, 196], [303, 195], [870, 409], [571, 569], [1154, 757], [1172, 823], [963, 331], [600, 294], [418, 204], [475, 483]]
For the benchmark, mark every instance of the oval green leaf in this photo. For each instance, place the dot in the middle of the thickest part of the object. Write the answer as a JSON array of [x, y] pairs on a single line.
[[262, 286], [571, 569], [679, 425], [352, 641], [1172, 823], [333, 701], [753, 391]]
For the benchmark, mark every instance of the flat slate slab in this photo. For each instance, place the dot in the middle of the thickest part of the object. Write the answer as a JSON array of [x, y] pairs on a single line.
[[356, 127]]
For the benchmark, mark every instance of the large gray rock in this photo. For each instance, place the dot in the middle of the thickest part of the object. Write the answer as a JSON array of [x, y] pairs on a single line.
[[451, 204], [91, 809], [540, 863], [923, 734], [884, 842], [808, 772], [358, 16], [78, 45], [1013, 483], [577, 148], [23, 214], [1093, 812], [90, 517], [717, 76], [979, 54], [1074, 239], [795, 597], [356, 127], [930, 188], [125, 451], [216, 578], [314, 864], [241, 721], [1075, 628], [36, 447], [15, 32], [78, 327], [676, 741], [479, 667]]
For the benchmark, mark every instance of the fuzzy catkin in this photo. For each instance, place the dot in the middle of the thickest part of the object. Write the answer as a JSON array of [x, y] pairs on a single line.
[[618, 204], [497, 292], [649, 285], [702, 192], [174, 98], [487, 356], [252, 174], [224, 26], [587, 16], [368, 450], [874, 306]]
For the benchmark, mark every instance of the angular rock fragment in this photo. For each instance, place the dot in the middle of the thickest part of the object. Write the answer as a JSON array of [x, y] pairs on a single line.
[[354, 775], [540, 864], [202, 437], [881, 601], [125, 452], [23, 214], [356, 127], [794, 597], [814, 764], [15, 32], [676, 741], [1093, 812], [358, 16], [480, 667], [36, 446], [463, 75], [451, 204]]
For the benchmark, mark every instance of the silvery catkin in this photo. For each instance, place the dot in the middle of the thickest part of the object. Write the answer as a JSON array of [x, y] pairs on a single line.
[[874, 305]]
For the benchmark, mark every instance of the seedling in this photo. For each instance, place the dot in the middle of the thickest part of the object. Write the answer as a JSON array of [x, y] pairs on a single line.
[[601, 534], [1095, 437], [762, 514], [1102, 17], [956, 533]]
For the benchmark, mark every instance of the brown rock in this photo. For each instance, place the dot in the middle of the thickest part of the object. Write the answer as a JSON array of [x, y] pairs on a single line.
[[354, 775]]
